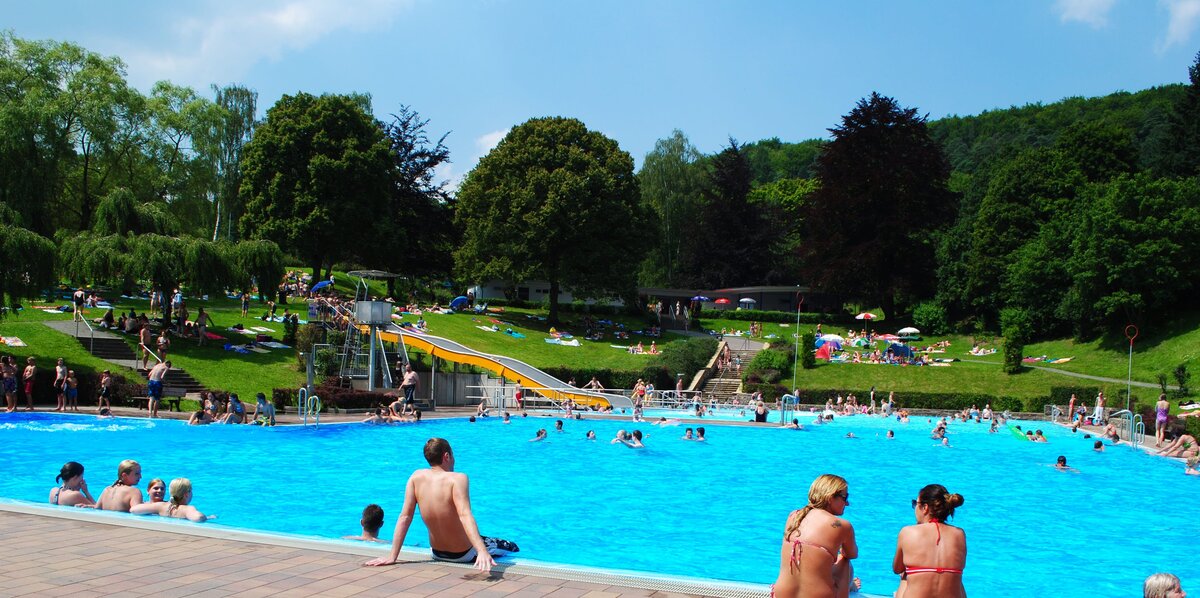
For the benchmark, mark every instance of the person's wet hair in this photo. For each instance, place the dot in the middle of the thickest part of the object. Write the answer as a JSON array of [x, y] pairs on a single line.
[[939, 500], [1062, 460], [638, 435], [180, 487], [1098, 444], [700, 431], [436, 449], [372, 518], [471, 419], [69, 470], [125, 467]]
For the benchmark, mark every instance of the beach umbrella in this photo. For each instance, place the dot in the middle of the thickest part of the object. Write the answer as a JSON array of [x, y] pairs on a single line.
[[700, 298], [721, 301], [747, 300], [832, 337], [888, 337], [866, 315], [458, 302], [321, 285], [908, 330]]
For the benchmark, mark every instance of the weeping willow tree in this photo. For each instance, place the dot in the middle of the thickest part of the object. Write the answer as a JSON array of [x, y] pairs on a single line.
[[260, 261], [91, 258], [26, 264], [119, 213]]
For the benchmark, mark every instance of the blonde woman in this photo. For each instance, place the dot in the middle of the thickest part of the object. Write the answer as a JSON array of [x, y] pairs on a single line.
[[178, 507], [156, 490], [123, 494], [931, 555], [1163, 585], [814, 560]]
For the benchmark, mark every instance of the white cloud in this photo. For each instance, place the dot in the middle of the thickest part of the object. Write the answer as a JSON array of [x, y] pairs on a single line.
[[1092, 12], [221, 41], [483, 144], [1183, 16]]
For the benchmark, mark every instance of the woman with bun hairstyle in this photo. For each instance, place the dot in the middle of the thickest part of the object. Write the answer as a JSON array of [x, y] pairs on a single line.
[[931, 555], [814, 561]]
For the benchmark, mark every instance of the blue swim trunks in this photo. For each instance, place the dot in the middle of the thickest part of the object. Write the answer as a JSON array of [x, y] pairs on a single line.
[[154, 388]]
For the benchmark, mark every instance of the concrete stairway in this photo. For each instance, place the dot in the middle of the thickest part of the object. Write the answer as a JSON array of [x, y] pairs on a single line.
[[727, 382], [114, 348]]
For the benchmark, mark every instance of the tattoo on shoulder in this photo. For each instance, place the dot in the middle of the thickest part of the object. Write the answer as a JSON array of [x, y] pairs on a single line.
[[836, 523]]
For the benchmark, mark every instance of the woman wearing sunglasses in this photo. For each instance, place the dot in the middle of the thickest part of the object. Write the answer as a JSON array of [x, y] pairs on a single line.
[[818, 544], [931, 555]]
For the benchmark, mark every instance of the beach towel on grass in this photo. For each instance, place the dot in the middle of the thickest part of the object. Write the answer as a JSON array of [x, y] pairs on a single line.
[[13, 341], [1062, 360], [275, 345], [213, 337], [258, 349], [261, 329], [486, 328]]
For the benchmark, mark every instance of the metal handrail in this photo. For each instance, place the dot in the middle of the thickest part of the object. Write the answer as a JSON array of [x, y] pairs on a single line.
[[152, 353], [387, 370], [1135, 427], [79, 317], [309, 405]]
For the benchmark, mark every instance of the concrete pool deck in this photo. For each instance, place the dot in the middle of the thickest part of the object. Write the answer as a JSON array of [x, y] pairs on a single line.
[[70, 553]]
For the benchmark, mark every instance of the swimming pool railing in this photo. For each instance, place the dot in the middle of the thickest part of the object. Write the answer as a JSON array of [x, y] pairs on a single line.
[[1135, 428], [308, 405], [787, 404]]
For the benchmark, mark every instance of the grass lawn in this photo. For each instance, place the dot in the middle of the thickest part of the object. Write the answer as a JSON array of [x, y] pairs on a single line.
[[1158, 351]]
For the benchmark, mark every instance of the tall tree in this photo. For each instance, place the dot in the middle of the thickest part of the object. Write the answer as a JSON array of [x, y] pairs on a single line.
[[26, 261], [535, 206], [672, 185], [882, 197], [240, 105], [731, 246], [417, 234], [316, 172], [1182, 154]]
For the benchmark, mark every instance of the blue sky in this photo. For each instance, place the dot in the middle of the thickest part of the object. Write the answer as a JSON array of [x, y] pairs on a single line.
[[636, 70]]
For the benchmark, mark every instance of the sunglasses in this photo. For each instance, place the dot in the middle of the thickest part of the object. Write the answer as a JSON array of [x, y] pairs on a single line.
[[844, 496], [915, 502]]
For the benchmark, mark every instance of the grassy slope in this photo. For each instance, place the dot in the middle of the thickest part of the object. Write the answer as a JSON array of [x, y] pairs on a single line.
[[1156, 352]]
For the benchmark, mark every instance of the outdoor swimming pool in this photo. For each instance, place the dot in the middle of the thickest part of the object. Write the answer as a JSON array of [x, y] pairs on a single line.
[[712, 509]]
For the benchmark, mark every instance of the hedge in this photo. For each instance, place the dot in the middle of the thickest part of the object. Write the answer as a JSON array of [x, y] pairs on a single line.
[[782, 317], [910, 400], [336, 397]]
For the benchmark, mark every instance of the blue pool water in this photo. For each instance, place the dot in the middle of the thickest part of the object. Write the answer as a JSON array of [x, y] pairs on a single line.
[[714, 509]]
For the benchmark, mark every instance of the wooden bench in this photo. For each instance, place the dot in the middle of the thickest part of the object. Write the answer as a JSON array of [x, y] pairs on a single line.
[[171, 396]]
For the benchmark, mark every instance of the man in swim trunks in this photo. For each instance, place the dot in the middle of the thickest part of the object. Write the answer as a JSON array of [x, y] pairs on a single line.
[[154, 388], [445, 502]]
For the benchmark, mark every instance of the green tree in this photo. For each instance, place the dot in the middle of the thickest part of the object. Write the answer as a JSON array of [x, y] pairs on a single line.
[[1182, 153], [671, 185], [240, 105], [784, 200], [26, 264], [316, 177], [256, 261], [882, 198], [732, 244], [534, 207], [418, 233], [1137, 252]]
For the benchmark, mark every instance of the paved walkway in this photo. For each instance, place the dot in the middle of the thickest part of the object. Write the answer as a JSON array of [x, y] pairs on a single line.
[[52, 556], [1076, 374]]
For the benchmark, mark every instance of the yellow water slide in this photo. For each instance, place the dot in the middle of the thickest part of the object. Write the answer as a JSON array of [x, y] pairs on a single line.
[[512, 370]]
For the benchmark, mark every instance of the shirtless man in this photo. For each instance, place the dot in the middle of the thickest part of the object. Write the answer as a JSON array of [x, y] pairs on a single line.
[[445, 502], [154, 387], [146, 338], [29, 376], [124, 493]]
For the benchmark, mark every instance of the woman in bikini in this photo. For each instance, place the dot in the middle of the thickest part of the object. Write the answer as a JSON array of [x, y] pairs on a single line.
[[123, 494], [814, 560], [930, 555], [72, 490]]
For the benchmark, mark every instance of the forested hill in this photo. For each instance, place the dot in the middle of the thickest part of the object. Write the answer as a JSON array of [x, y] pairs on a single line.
[[971, 141]]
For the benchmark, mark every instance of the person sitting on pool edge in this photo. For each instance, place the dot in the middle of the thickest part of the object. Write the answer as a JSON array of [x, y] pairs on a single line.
[[930, 560], [371, 522], [445, 504], [264, 412]]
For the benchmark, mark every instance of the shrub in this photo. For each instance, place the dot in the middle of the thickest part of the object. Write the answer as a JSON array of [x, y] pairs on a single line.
[[808, 359], [686, 357], [930, 317], [1016, 327], [307, 336], [1061, 395], [336, 397], [1182, 376], [767, 365], [284, 397]]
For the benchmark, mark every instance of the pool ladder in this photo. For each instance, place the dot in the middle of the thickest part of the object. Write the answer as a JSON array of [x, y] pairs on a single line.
[[1136, 427], [788, 405], [309, 406]]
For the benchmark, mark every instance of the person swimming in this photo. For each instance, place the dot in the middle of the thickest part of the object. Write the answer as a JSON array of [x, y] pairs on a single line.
[[541, 435], [72, 490], [178, 507]]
